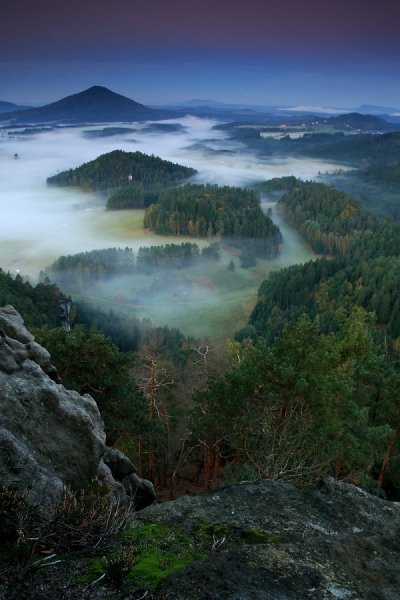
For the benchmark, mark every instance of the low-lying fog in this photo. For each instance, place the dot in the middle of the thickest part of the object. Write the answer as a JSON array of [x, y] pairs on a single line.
[[38, 223]]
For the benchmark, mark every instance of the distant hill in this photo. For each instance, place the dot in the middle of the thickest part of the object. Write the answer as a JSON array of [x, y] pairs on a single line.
[[6, 107], [358, 122], [128, 175], [359, 150], [96, 104], [372, 109]]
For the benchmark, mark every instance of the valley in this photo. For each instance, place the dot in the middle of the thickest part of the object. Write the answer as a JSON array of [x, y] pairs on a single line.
[[60, 221]]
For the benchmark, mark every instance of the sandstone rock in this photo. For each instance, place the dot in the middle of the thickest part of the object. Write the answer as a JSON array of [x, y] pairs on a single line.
[[62, 429], [50, 437], [281, 543], [118, 463], [12, 325], [141, 490], [19, 467]]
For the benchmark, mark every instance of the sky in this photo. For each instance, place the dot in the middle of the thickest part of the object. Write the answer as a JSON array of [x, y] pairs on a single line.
[[339, 53]]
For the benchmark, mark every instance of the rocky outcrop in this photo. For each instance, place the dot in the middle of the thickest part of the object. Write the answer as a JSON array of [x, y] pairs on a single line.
[[51, 437], [272, 541]]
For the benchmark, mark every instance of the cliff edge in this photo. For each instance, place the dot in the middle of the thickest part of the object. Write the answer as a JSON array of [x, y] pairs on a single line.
[[51, 437]]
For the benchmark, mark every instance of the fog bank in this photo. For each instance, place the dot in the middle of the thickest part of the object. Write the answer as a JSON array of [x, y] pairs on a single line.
[[40, 223]]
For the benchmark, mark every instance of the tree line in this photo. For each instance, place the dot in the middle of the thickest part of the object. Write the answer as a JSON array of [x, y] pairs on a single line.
[[78, 271]]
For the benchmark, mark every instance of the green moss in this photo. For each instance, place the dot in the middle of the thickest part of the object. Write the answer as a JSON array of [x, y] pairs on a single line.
[[254, 536], [94, 568], [150, 532], [213, 529], [154, 565], [274, 538], [161, 550]]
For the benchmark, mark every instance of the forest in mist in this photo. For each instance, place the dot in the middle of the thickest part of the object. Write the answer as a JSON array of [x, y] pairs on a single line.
[[239, 288]]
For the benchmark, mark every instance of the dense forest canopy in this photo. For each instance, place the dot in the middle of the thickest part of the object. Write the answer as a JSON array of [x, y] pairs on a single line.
[[299, 408], [310, 386], [327, 217], [376, 186], [360, 286], [211, 211], [39, 304], [128, 170], [362, 269], [386, 176], [131, 197]]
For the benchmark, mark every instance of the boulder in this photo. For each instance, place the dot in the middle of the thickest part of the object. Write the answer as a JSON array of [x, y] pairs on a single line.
[[50, 437], [271, 541], [141, 490], [119, 464]]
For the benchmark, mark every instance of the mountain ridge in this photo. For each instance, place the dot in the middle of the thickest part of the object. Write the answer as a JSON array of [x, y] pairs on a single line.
[[95, 104], [6, 107]]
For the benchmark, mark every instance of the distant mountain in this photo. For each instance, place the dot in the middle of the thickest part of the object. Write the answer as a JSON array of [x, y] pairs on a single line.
[[358, 122], [196, 102], [6, 107], [199, 103], [96, 104], [312, 109], [377, 110]]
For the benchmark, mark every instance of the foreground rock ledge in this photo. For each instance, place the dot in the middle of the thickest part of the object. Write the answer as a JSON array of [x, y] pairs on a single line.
[[51, 437], [331, 541]]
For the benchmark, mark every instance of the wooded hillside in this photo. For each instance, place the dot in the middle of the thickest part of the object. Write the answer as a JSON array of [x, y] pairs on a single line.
[[210, 211], [119, 169]]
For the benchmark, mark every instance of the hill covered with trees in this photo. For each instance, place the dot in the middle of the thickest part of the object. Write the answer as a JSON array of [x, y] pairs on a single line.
[[360, 149], [327, 217], [229, 213], [356, 149], [132, 172], [376, 186]]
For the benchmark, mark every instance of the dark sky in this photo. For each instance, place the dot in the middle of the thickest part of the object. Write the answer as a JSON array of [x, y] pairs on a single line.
[[341, 52]]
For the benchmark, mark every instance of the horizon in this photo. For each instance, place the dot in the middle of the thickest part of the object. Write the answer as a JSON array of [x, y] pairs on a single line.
[[199, 102], [234, 52]]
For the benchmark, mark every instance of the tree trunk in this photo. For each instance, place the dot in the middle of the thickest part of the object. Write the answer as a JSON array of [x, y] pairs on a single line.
[[386, 459]]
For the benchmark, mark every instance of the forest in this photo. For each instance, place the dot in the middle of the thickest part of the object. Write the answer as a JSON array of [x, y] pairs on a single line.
[[376, 186], [326, 217], [127, 170], [309, 387], [79, 271], [229, 213]]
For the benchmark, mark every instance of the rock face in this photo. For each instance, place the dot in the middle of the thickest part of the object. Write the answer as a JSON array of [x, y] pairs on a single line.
[[49, 436], [276, 542]]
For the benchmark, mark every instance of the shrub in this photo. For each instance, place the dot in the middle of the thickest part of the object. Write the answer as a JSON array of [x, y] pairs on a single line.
[[87, 520], [18, 519]]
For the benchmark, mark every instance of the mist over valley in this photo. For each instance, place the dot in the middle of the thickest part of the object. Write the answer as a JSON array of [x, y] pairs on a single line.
[[199, 300], [40, 223]]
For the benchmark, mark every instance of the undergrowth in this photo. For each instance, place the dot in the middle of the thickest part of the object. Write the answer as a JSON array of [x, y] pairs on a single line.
[[89, 534]]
